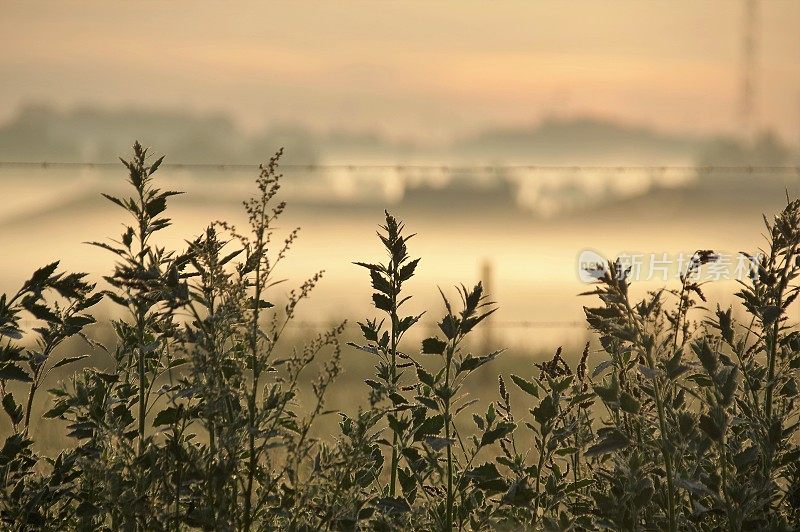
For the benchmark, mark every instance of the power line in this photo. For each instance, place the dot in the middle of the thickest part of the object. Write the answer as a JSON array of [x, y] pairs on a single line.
[[531, 168]]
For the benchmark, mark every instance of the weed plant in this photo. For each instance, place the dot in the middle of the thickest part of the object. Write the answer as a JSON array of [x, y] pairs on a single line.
[[685, 419]]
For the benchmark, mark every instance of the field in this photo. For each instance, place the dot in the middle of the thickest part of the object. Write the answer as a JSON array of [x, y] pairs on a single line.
[[192, 387]]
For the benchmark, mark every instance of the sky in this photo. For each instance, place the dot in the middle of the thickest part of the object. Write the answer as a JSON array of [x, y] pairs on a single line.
[[410, 70]]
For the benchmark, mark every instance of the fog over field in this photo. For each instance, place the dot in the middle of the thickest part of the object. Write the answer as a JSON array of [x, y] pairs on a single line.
[[502, 198]]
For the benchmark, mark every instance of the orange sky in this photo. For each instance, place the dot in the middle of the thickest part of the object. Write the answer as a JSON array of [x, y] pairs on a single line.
[[408, 69]]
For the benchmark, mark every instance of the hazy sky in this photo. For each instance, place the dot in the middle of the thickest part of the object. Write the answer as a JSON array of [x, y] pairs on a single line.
[[410, 69]]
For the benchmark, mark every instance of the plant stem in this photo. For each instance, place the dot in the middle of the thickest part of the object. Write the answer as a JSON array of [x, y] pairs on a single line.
[[662, 423], [449, 514], [251, 400], [140, 316], [394, 318], [539, 480], [783, 281], [664, 444]]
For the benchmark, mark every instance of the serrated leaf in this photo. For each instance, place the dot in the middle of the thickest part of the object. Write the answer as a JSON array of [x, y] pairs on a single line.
[[407, 271], [430, 427], [11, 407], [425, 377], [12, 372], [501, 430], [471, 363], [526, 386], [168, 416], [433, 346], [382, 302]]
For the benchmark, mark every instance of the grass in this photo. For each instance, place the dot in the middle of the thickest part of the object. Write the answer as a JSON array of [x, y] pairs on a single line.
[[207, 412]]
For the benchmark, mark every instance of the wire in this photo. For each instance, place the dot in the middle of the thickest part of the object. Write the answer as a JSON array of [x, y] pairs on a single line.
[[705, 169]]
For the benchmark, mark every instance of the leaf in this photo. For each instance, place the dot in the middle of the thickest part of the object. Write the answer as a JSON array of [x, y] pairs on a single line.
[[769, 314], [674, 367], [380, 283], [369, 330], [487, 477], [398, 426], [68, 360], [428, 402], [370, 266], [392, 505], [13, 446], [601, 367], [11, 332], [12, 372], [728, 388], [366, 348], [545, 411], [789, 389], [579, 485], [41, 275], [39, 311], [407, 271], [382, 302], [253, 304], [11, 407], [565, 451], [526, 386], [649, 373], [612, 440], [433, 346], [58, 410], [230, 256], [437, 444], [449, 326], [483, 472], [610, 393], [109, 378], [406, 323], [156, 206], [503, 429], [708, 358], [114, 200], [86, 510], [408, 481], [153, 169], [694, 486], [425, 377], [629, 403], [709, 425], [373, 384], [168, 416], [429, 427], [397, 399], [471, 363], [726, 324]]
